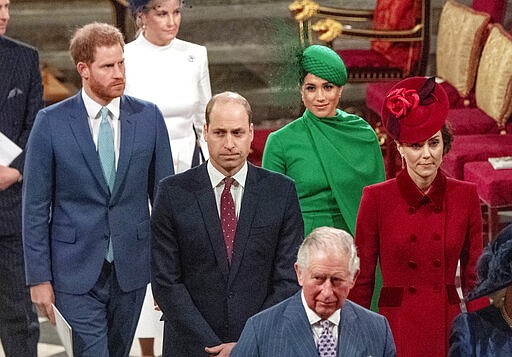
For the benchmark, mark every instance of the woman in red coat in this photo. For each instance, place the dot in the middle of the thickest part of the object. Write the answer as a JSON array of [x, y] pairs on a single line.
[[418, 226]]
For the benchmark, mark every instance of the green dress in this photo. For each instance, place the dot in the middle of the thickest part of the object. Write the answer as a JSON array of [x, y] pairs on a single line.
[[331, 160]]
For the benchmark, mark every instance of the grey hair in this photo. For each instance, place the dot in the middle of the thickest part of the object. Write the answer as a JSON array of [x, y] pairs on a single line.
[[329, 239]]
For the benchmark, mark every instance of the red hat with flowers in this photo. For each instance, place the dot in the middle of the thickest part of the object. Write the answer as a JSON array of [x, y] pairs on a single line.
[[414, 109]]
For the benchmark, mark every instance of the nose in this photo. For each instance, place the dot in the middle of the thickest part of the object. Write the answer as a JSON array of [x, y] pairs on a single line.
[[229, 143], [119, 71], [327, 289], [4, 13], [171, 20], [426, 151], [320, 95]]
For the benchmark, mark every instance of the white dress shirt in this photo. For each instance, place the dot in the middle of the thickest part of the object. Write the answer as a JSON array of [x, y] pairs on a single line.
[[314, 321], [237, 188], [94, 116]]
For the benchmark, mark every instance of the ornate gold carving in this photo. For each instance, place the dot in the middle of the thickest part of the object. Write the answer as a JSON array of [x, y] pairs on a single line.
[[327, 29], [303, 10]]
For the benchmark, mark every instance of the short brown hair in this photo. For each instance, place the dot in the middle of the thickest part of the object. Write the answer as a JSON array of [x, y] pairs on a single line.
[[226, 97], [86, 39]]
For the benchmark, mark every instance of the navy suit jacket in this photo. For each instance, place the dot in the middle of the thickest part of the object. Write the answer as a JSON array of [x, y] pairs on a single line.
[[205, 301], [21, 97], [68, 211], [284, 331]]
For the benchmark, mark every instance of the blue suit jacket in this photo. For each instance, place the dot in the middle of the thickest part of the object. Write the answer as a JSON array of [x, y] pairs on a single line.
[[205, 301], [68, 212], [284, 331], [21, 97]]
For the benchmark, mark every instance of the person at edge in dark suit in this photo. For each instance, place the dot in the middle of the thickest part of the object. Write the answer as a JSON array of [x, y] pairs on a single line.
[[319, 320], [488, 332], [225, 234], [92, 162], [21, 96]]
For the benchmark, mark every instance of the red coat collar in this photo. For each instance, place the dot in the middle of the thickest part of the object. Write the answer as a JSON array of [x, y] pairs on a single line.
[[415, 198]]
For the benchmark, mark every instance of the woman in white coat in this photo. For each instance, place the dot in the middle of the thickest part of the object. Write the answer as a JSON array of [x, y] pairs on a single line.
[[173, 74]]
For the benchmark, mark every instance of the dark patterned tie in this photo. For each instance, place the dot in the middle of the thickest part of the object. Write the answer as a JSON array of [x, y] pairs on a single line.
[[228, 216], [326, 345]]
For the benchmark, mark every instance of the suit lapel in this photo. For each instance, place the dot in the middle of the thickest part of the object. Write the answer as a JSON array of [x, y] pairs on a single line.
[[8, 63], [210, 213], [80, 128], [349, 336], [247, 211], [127, 135], [298, 328]]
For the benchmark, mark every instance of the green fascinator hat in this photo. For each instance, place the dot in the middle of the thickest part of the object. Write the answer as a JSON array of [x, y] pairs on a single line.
[[323, 62]]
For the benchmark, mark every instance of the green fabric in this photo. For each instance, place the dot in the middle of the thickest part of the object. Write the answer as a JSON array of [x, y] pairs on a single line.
[[331, 160], [323, 62]]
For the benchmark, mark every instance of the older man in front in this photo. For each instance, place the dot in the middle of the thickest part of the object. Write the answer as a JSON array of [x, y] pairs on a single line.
[[319, 320]]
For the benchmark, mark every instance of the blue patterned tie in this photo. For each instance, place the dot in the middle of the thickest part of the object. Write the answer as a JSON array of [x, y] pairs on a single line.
[[326, 345], [108, 162]]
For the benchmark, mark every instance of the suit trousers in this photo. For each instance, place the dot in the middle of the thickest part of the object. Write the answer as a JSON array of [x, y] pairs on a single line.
[[19, 327], [104, 319]]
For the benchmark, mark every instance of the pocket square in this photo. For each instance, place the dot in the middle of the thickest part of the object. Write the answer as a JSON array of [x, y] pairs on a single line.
[[14, 92]]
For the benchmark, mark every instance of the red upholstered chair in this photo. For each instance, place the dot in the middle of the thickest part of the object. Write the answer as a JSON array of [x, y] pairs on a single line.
[[399, 32], [495, 8], [462, 31], [494, 189]]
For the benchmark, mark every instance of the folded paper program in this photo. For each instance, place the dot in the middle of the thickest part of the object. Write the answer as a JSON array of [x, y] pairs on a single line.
[[500, 163]]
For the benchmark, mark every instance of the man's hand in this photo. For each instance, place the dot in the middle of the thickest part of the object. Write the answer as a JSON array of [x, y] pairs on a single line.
[[221, 350], [8, 176], [42, 296]]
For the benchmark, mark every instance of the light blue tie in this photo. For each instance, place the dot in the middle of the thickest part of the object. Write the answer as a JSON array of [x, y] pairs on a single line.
[[108, 162]]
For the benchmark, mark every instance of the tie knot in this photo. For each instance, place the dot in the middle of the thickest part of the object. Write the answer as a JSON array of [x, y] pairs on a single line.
[[325, 324], [228, 181], [104, 113]]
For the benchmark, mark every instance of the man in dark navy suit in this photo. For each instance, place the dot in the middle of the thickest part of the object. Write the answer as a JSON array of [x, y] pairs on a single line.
[[21, 96], [93, 161], [224, 238]]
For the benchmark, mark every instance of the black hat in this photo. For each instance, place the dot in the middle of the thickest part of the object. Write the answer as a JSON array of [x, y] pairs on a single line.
[[494, 266]]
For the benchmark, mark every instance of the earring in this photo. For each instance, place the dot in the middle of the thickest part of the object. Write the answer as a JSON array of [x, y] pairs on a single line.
[[403, 162]]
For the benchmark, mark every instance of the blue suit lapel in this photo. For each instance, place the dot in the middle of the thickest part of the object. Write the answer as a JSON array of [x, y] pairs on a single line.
[[298, 328], [247, 212], [349, 336], [82, 132], [208, 207], [127, 134]]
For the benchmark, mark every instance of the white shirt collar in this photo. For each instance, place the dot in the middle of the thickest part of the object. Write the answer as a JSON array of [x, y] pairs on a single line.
[[314, 318], [93, 108], [216, 176]]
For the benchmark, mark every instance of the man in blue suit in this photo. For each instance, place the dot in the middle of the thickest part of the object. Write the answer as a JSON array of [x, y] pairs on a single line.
[[92, 162], [225, 235], [21, 96], [319, 320]]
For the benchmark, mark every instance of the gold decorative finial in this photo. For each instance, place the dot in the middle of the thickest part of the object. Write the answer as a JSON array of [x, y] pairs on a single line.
[[327, 29], [303, 10]]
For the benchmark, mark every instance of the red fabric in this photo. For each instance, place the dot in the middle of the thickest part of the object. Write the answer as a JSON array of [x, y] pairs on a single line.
[[473, 121], [418, 245], [456, 101], [496, 8], [469, 148], [397, 15], [363, 59], [494, 186], [375, 94], [257, 145], [228, 216]]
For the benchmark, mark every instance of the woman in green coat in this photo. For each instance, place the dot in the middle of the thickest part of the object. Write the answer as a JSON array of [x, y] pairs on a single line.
[[329, 153]]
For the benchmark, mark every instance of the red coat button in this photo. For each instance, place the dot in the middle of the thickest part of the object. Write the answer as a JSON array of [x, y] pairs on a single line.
[[412, 289], [437, 263], [412, 264]]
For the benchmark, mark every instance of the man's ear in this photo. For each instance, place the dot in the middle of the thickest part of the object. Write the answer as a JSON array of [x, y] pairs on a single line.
[[300, 278], [356, 274], [83, 70]]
